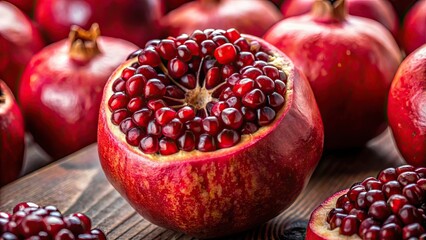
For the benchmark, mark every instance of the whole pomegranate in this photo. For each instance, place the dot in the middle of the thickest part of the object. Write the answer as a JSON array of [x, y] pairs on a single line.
[[134, 20], [390, 206], [254, 17], [30, 221], [12, 133], [379, 10], [350, 62], [414, 29], [210, 133], [407, 108], [62, 87], [19, 41]]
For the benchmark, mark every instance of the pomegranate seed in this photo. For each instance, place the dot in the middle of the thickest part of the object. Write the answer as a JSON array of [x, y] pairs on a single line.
[[150, 57], [220, 40], [154, 89], [172, 129], [186, 142], [254, 99], [53, 225], [153, 128], [280, 87], [135, 85], [185, 114], [265, 84], [365, 225], [207, 48], [387, 175], [211, 125], [395, 202], [218, 108], [409, 214], [421, 183], [254, 46], [359, 214], [243, 86], [374, 196], [213, 77], [249, 128], [379, 210], [164, 115], [194, 125], [31, 225], [349, 225], [147, 71], [263, 57], [275, 100], [149, 144], [126, 124], [227, 71], [245, 59], [64, 234], [74, 224], [252, 73], [421, 172], [336, 220], [227, 138], [98, 233], [226, 53], [372, 233], [177, 68], [413, 193], [167, 49], [233, 79], [134, 136], [260, 64], [198, 36], [152, 43], [392, 187], [168, 146], [242, 44], [333, 212], [119, 115], [184, 53], [407, 178], [181, 39], [206, 143], [193, 47], [135, 104], [174, 92], [119, 85], [232, 34], [404, 168], [156, 104], [188, 81], [142, 117], [117, 101], [232, 117], [413, 230], [127, 73], [265, 116], [354, 192], [390, 231]]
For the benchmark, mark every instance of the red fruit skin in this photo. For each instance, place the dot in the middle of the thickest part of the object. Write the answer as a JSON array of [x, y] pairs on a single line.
[[379, 10], [350, 65], [414, 29], [12, 135], [134, 20], [60, 97], [27, 6], [254, 18], [318, 228], [407, 108], [19, 41], [226, 191]]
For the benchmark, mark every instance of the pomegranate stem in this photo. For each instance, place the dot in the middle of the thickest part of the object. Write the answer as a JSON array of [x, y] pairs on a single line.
[[164, 69]]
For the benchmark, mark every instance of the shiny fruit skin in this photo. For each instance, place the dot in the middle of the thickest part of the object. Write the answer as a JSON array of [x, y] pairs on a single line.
[[60, 97], [225, 191], [407, 108], [341, 61], [19, 41], [413, 34], [12, 135]]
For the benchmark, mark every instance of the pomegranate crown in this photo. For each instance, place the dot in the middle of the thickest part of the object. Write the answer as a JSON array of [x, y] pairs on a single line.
[[202, 92], [83, 44]]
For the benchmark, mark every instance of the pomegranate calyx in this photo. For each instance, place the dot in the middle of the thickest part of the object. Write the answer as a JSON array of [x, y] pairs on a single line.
[[329, 10], [83, 44]]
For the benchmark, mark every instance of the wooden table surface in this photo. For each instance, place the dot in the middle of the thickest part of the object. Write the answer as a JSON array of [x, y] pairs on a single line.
[[78, 184]]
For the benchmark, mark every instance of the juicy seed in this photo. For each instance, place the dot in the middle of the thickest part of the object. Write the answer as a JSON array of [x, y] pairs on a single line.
[[201, 91]]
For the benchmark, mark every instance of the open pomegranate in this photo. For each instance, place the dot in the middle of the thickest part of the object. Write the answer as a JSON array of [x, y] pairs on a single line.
[[11, 136], [349, 61], [30, 221], [407, 108], [19, 41], [390, 206], [414, 30], [379, 10], [253, 17], [134, 20], [209, 133], [61, 89]]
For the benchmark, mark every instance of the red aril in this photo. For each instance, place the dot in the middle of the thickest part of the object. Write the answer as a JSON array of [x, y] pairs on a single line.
[[210, 166], [379, 10], [62, 86], [19, 41], [11, 136], [350, 62], [407, 108], [134, 20], [253, 18], [413, 33]]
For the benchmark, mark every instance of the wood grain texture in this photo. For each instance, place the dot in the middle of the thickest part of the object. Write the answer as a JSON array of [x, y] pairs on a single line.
[[77, 184]]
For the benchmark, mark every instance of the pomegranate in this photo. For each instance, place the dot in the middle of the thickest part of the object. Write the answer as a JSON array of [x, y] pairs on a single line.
[[253, 18], [407, 108], [11, 136], [390, 206], [62, 87], [379, 10], [30, 221], [27, 6], [414, 29], [209, 133], [19, 41], [350, 62], [134, 20]]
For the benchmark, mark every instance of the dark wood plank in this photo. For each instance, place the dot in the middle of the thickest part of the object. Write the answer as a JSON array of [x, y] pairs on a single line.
[[77, 183]]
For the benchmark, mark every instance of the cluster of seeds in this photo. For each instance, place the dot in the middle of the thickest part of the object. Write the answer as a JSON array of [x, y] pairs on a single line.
[[391, 206], [201, 91], [30, 221]]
